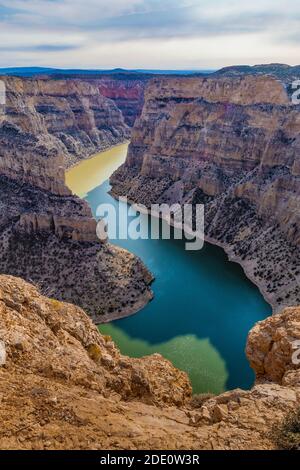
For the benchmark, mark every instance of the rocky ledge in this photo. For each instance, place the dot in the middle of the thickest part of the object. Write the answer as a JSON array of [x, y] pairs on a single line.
[[65, 386], [232, 144]]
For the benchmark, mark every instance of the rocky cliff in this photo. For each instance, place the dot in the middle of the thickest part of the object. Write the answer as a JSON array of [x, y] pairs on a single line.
[[128, 95], [48, 236], [69, 117], [233, 144], [65, 386]]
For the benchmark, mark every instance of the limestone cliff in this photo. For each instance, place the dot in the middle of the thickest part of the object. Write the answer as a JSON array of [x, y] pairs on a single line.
[[65, 386], [233, 144], [48, 236], [67, 117]]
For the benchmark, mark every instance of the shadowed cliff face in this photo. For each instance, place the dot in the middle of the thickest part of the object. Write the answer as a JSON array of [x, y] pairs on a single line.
[[48, 236], [69, 386], [233, 144]]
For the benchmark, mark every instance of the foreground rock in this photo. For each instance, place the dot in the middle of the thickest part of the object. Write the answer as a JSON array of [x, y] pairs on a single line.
[[64, 386], [48, 236], [231, 143]]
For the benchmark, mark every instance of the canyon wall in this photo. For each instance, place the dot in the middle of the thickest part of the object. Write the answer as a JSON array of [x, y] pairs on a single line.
[[128, 95], [65, 386], [232, 143], [48, 236], [68, 117], [124, 88]]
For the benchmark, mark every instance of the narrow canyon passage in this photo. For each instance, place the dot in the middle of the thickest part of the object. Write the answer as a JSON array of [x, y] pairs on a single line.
[[204, 306]]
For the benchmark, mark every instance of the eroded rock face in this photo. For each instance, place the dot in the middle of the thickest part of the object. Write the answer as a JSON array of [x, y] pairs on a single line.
[[67, 119], [65, 386], [233, 144], [128, 95], [272, 344], [48, 236], [51, 240]]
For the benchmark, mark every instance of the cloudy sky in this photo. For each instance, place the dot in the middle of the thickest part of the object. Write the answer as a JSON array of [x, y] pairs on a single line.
[[155, 34]]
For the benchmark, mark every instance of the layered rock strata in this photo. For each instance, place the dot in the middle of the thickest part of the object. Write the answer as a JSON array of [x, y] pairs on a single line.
[[232, 144], [48, 236], [70, 117], [65, 386], [128, 95]]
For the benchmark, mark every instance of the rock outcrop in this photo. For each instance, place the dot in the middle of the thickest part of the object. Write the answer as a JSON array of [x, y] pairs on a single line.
[[48, 236], [233, 144], [65, 386]]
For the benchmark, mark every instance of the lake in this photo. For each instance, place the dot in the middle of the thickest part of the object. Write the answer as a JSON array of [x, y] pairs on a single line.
[[203, 307]]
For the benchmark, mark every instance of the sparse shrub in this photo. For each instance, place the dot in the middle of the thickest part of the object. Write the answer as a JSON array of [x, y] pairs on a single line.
[[198, 400], [107, 338], [94, 351], [286, 435], [56, 304]]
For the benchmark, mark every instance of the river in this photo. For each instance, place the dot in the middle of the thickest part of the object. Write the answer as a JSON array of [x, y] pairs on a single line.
[[203, 307]]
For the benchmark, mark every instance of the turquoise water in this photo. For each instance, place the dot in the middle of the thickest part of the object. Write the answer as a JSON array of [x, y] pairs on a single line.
[[203, 309]]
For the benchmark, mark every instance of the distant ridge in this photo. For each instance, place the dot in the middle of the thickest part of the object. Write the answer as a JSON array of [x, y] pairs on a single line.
[[34, 71], [284, 72]]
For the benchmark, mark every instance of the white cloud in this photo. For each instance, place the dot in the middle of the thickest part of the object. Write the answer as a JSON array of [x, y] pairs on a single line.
[[71, 11], [148, 33]]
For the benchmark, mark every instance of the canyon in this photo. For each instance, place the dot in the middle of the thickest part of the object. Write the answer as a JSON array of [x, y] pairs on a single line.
[[125, 88], [230, 141], [48, 236], [232, 144]]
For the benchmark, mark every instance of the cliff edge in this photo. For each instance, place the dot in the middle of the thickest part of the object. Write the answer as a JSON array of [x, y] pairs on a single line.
[[65, 386]]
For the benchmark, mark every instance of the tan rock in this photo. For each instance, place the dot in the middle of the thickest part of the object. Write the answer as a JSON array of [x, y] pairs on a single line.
[[220, 413], [55, 395], [270, 345]]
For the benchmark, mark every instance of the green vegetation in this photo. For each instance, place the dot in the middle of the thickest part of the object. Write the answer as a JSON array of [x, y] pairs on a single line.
[[286, 436]]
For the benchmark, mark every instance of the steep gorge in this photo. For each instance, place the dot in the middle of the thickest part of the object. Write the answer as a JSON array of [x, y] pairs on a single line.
[[233, 144], [70, 115], [48, 236]]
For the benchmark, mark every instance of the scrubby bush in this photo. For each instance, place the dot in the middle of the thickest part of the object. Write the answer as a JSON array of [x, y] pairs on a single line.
[[198, 400], [286, 435]]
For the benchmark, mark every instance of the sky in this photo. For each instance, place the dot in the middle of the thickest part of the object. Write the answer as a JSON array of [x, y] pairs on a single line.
[[148, 34]]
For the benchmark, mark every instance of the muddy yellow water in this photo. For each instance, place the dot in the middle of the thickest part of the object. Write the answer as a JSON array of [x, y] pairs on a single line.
[[89, 174]]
